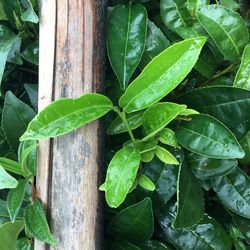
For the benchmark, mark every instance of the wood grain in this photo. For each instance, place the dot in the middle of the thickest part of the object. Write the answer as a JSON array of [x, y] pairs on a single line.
[[72, 62]]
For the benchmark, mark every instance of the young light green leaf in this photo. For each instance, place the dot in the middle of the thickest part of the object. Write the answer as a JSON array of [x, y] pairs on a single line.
[[156, 82], [15, 199], [190, 203], [65, 115], [7, 39], [233, 190], [36, 224], [158, 116], [187, 112], [134, 223], [207, 136], [146, 183], [165, 156], [147, 156], [242, 79], [156, 42], [118, 126], [126, 36], [229, 105], [208, 168], [6, 180], [29, 15], [121, 174], [15, 119], [167, 137], [11, 166], [226, 27], [9, 233]]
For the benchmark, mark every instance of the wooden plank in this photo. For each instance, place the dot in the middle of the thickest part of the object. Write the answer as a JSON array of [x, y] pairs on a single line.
[[72, 62]]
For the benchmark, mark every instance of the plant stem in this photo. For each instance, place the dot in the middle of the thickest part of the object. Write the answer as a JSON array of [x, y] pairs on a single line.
[[226, 70], [124, 119]]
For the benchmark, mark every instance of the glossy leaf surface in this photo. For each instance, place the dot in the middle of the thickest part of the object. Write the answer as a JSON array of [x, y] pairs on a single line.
[[162, 75], [154, 245], [207, 136], [11, 166], [36, 223], [158, 116], [16, 117], [167, 136], [165, 156], [15, 199], [31, 53], [134, 223], [146, 183], [233, 190], [242, 79], [65, 115], [228, 104], [226, 27], [207, 235], [245, 144], [9, 233], [207, 168], [29, 15], [121, 174], [190, 204], [126, 36], [6, 180]]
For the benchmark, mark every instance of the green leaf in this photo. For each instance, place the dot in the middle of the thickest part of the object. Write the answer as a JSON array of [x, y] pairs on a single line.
[[15, 199], [15, 119], [226, 27], [123, 245], [5, 148], [134, 223], [207, 136], [147, 156], [207, 235], [233, 191], [243, 225], [29, 15], [14, 53], [156, 82], [230, 105], [121, 173], [31, 52], [146, 183], [32, 91], [126, 36], [158, 116], [208, 168], [36, 224], [156, 42], [154, 245], [9, 233], [118, 126], [165, 156], [65, 115], [11, 166], [167, 136], [24, 244], [230, 4], [242, 79], [7, 39], [245, 144], [190, 204], [6, 180], [194, 5]]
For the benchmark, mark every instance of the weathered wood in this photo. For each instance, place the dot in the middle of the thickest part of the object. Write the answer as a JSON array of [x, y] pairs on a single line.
[[72, 40]]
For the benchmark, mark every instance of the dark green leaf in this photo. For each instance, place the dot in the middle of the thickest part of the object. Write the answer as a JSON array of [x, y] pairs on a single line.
[[158, 116], [14, 53], [123, 245], [156, 42], [207, 235], [233, 190], [154, 245], [245, 144], [156, 82], [65, 115], [121, 173], [134, 223], [32, 91], [7, 39], [225, 27], [4, 145], [207, 168], [190, 204], [9, 233], [126, 38], [6, 180], [207, 136], [11, 166], [242, 79], [15, 199], [29, 15], [36, 224], [228, 104], [15, 119], [31, 53]]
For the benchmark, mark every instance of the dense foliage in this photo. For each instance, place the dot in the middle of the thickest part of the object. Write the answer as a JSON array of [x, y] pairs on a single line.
[[178, 125]]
